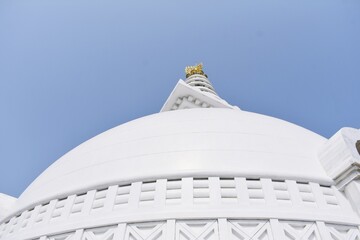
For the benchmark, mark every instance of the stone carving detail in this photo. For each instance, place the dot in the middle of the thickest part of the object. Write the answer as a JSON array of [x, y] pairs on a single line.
[[338, 232], [187, 102], [197, 230], [214, 229], [249, 230], [206, 192], [146, 231], [105, 233], [300, 231]]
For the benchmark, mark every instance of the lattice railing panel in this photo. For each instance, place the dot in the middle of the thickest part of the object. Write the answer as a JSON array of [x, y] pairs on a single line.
[[238, 194], [146, 231], [104, 233], [249, 230], [294, 230], [197, 230], [343, 232], [214, 229]]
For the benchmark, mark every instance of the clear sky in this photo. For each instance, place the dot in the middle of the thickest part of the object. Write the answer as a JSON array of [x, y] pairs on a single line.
[[71, 69]]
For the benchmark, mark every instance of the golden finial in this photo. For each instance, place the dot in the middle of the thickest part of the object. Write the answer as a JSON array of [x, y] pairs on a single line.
[[191, 70]]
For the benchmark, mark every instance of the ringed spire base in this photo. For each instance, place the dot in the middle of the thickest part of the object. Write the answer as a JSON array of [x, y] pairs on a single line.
[[195, 77], [200, 82], [195, 92]]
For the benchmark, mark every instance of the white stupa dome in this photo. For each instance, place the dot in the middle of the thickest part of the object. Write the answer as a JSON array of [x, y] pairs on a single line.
[[192, 142], [205, 171]]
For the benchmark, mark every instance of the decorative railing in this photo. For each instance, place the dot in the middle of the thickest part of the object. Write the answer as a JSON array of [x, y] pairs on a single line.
[[184, 198]]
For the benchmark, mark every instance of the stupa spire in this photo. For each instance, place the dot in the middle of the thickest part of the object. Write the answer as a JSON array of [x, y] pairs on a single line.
[[196, 77]]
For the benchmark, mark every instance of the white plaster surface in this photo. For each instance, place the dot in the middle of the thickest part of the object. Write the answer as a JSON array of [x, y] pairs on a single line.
[[209, 165], [6, 203], [193, 142]]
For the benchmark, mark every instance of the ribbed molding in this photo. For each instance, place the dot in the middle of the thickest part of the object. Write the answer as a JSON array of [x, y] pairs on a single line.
[[201, 82]]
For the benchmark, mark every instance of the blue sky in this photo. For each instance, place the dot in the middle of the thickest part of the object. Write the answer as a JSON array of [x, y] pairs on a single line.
[[70, 70]]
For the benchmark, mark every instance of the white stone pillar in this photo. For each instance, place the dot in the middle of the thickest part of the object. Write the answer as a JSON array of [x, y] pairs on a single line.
[[341, 160], [352, 192]]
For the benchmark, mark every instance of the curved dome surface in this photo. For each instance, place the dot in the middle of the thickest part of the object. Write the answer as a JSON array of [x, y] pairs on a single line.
[[192, 142]]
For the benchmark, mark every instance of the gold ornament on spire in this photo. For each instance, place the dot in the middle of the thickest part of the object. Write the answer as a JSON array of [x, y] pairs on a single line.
[[191, 70]]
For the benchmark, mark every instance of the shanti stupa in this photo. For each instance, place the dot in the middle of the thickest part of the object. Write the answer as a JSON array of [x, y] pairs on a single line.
[[201, 169]]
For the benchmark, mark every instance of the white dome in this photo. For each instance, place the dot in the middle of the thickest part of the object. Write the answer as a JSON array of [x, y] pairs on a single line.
[[210, 172], [192, 142]]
